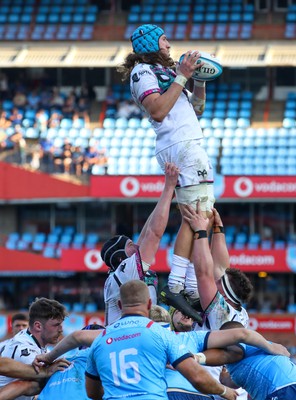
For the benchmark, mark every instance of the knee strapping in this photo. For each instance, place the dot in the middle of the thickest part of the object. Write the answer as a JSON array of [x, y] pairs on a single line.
[[202, 193]]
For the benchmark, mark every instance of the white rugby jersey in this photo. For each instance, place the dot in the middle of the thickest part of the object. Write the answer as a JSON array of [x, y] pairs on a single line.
[[23, 347], [129, 269], [181, 123]]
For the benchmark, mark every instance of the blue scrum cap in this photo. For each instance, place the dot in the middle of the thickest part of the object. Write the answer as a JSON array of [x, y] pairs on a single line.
[[145, 39]]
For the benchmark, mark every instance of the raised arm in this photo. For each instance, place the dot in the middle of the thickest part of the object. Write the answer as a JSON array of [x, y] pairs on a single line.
[[201, 256], [218, 247], [156, 224], [159, 105]]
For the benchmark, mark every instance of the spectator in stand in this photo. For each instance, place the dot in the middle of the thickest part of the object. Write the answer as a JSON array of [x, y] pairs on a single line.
[[62, 156], [55, 120], [87, 92], [41, 120], [33, 99], [20, 99], [19, 144], [16, 116], [67, 157], [78, 160], [46, 158], [57, 99], [4, 86], [94, 156], [82, 110], [69, 106], [4, 120], [128, 109], [36, 154]]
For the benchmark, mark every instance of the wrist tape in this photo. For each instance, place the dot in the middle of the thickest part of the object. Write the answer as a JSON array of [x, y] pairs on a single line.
[[201, 358], [198, 104], [181, 80]]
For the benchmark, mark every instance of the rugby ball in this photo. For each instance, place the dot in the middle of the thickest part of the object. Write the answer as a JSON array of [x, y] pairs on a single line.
[[211, 69]]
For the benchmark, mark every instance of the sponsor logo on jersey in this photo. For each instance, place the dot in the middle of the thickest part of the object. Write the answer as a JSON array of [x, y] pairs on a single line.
[[126, 323]]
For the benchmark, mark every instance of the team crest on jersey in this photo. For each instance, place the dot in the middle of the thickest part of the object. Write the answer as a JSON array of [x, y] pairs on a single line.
[[122, 267], [25, 353], [135, 77]]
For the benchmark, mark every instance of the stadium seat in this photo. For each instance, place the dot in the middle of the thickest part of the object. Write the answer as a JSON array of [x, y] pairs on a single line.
[[49, 252], [91, 240]]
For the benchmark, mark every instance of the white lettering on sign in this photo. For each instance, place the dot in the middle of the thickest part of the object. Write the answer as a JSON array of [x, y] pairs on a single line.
[[244, 259], [276, 187], [130, 187]]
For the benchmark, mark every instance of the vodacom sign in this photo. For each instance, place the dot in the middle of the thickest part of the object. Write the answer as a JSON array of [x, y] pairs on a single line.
[[259, 187], [130, 186], [92, 260], [142, 186], [243, 187]]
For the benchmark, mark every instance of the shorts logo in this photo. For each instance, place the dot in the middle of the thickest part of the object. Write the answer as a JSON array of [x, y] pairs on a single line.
[[202, 173]]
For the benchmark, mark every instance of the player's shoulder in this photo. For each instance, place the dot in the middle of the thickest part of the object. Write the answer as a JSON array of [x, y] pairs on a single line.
[[142, 66], [141, 70]]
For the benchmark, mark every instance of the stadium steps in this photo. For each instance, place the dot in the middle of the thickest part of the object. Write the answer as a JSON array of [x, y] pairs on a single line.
[[258, 110], [276, 111]]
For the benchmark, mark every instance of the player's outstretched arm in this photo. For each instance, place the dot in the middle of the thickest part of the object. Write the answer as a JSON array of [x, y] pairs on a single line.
[[156, 224], [75, 339], [219, 247], [242, 335]]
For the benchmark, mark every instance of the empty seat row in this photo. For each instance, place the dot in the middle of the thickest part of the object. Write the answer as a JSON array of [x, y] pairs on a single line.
[[41, 241]]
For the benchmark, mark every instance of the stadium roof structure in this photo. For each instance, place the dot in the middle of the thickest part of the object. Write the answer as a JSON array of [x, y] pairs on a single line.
[[238, 54]]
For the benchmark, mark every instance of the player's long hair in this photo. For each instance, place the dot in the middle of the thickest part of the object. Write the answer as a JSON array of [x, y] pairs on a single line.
[[133, 59]]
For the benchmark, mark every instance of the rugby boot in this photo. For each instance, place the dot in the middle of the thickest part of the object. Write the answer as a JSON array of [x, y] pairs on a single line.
[[179, 302]]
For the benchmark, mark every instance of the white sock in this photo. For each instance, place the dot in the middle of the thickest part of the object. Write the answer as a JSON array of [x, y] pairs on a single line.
[[191, 282], [178, 272]]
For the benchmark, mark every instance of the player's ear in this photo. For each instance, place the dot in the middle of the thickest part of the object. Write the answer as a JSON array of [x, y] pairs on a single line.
[[119, 304], [38, 326], [149, 305]]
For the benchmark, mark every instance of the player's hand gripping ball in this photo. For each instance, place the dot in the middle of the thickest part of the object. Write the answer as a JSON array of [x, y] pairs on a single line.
[[211, 69]]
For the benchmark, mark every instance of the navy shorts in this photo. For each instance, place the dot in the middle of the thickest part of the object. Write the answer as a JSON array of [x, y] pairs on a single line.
[[286, 393]]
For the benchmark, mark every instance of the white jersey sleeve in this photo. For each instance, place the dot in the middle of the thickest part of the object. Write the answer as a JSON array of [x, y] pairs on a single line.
[[129, 269], [23, 348], [219, 312], [143, 83]]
